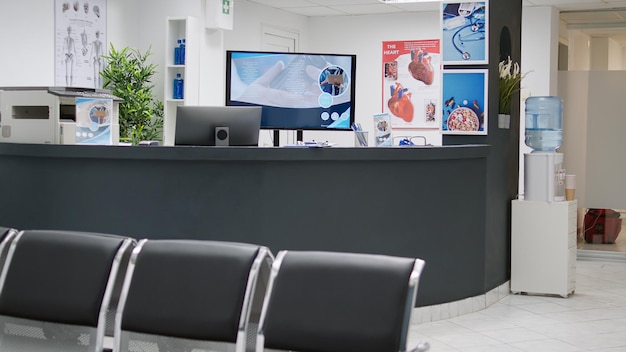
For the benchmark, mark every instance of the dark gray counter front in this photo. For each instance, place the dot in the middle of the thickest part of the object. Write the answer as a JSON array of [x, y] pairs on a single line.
[[427, 202]]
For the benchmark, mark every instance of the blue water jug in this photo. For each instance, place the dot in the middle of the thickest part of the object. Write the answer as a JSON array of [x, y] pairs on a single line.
[[544, 123]]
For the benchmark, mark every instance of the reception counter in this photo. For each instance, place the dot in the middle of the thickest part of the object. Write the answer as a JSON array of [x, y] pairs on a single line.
[[426, 202]]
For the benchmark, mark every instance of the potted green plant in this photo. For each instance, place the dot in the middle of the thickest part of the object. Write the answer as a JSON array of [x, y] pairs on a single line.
[[128, 75]]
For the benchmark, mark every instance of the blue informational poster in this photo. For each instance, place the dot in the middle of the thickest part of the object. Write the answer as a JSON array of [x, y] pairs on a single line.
[[464, 26], [93, 121], [382, 130], [464, 102]]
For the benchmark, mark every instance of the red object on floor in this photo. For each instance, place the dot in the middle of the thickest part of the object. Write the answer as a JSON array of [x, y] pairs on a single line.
[[602, 225]]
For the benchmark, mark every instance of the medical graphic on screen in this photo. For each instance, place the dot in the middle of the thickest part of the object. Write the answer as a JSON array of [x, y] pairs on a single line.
[[297, 91]]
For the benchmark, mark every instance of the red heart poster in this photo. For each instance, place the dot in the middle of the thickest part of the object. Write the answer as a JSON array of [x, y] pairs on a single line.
[[411, 83]]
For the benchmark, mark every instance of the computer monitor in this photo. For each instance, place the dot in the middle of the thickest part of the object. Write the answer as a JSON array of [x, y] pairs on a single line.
[[217, 125]]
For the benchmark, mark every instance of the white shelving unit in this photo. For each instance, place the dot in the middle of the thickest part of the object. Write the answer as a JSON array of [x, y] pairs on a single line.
[[543, 247], [189, 29]]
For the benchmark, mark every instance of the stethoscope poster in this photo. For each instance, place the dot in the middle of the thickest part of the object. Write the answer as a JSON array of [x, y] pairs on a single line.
[[412, 83], [464, 36], [464, 108]]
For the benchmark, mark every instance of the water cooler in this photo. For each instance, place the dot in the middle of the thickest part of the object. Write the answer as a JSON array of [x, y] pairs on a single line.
[[544, 175], [543, 224]]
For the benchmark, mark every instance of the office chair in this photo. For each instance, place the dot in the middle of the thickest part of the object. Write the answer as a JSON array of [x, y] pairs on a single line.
[[192, 295], [339, 302], [55, 290]]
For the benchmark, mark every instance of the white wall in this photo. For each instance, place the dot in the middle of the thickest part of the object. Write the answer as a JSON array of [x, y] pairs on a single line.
[[599, 48], [605, 53], [27, 42], [579, 51], [250, 17], [594, 140], [30, 24], [615, 55], [574, 90]]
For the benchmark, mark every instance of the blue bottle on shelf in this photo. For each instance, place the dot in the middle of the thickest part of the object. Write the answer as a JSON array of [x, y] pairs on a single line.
[[544, 123], [177, 53], [178, 86], [182, 52]]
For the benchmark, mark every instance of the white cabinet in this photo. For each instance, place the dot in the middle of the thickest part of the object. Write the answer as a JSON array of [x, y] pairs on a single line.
[[187, 28], [543, 247]]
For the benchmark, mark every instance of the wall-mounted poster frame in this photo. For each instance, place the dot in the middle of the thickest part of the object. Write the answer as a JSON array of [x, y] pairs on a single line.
[[465, 28], [464, 101], [80, 41], [412, 83]]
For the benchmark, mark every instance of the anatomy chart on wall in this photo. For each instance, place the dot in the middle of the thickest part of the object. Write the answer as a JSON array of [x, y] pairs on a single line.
[[412, 83], [464, 36], [80, 42]]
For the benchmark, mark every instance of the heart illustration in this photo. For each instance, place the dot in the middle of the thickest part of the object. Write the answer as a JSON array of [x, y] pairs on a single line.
[[420, 67], [400, 103]]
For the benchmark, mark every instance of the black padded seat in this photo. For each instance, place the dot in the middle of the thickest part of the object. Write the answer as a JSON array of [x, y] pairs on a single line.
[[192, 290], [3, 231], [6, 236], [56, 282], [332, 302]]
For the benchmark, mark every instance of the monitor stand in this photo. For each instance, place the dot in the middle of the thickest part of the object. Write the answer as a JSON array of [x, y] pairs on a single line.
[[299, 137], [276, 138]]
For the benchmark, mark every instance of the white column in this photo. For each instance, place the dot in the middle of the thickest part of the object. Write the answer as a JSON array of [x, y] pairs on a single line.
[[540, 35]]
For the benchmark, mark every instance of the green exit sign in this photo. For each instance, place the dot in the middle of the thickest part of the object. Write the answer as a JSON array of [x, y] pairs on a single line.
[[226, 7]]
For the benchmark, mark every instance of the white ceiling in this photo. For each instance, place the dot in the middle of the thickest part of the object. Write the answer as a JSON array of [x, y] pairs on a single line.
[[599, 18]]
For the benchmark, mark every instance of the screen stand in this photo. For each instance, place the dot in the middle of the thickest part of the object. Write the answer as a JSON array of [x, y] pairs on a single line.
[[276, 138], [299, 137]]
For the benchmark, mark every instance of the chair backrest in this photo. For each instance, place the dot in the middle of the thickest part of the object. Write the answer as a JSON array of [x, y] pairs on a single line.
[[331, 302], [55, 290], [4, 230], [184, 295], [6, 236]]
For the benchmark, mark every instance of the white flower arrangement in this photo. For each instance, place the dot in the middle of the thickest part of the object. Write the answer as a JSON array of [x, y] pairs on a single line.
[[510, 78]]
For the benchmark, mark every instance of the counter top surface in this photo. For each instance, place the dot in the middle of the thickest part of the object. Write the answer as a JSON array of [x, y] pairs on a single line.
[[243, 153]]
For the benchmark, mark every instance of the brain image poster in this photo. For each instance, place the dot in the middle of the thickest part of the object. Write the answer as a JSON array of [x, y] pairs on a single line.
[[411, 83]]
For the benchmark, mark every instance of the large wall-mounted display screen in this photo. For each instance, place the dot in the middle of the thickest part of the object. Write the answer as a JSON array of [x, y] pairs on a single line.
[[298, 91]]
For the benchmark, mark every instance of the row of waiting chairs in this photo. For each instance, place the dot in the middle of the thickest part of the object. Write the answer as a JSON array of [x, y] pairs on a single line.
[[87, 292]]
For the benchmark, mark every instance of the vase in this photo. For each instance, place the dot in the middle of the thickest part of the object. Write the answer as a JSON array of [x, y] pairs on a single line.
[[504, 121]]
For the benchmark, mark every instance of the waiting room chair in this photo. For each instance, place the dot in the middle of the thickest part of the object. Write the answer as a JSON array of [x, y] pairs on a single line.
[[339, 302], [192, 295], [5, 231], [6, 236], [55, 290]]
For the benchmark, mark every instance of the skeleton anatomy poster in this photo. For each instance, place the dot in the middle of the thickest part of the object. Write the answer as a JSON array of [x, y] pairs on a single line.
[[80, 42]]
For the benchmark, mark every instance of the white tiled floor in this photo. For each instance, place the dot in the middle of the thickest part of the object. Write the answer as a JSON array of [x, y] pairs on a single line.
[[592, 319]]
